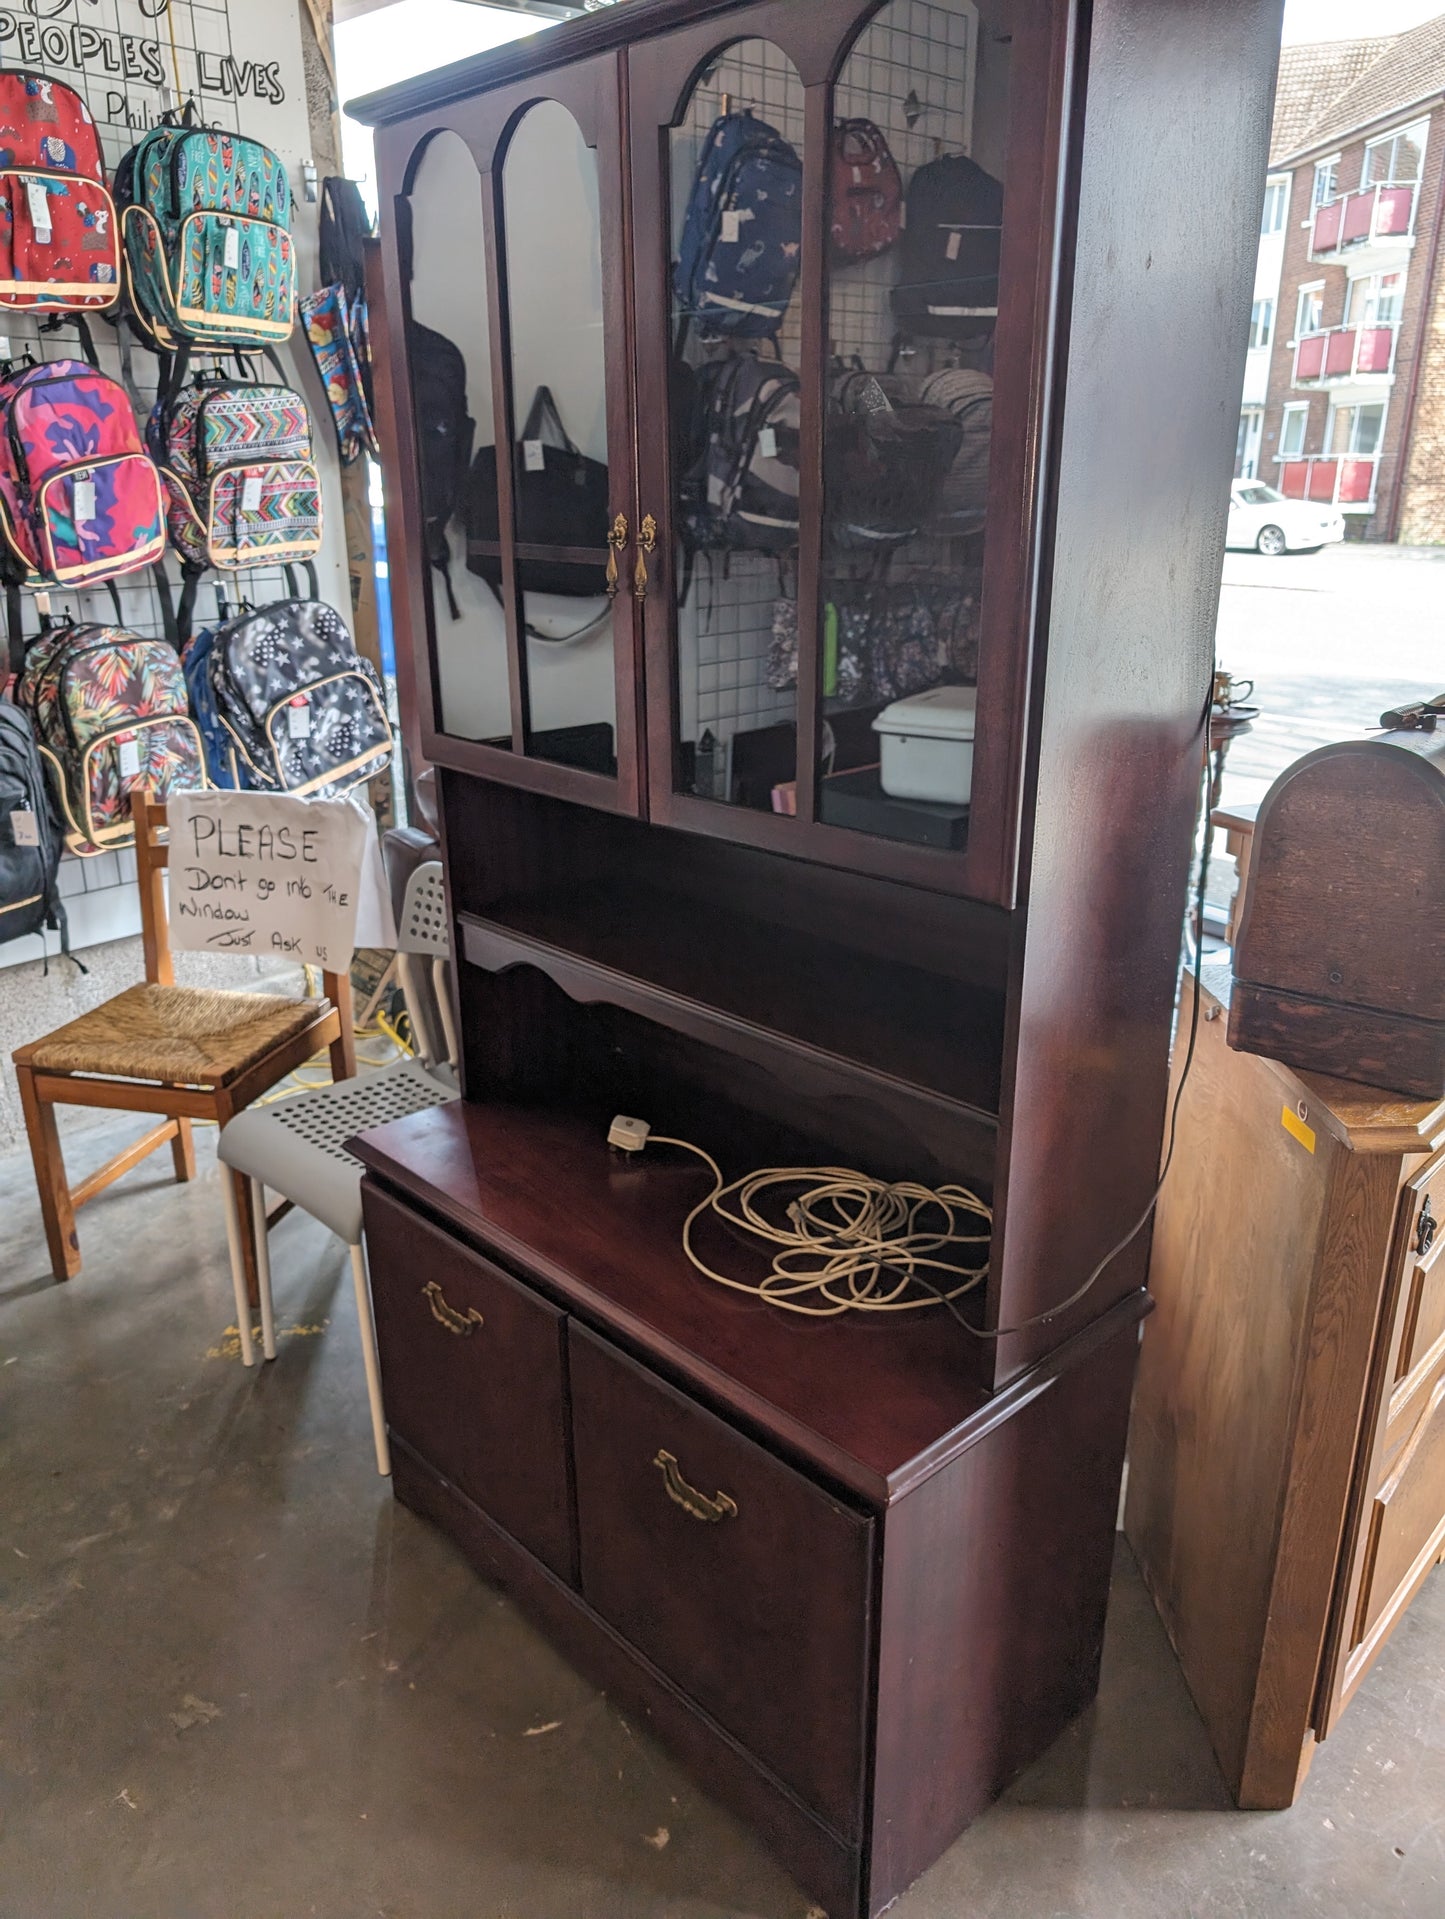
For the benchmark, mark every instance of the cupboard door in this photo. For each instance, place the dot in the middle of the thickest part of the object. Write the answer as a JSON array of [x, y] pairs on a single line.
[[530, 611], [472, 1370], [745, 1583], [828, 482]]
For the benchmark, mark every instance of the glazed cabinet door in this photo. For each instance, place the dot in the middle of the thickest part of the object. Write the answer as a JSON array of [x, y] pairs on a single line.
[[510, 484], [842, 222]]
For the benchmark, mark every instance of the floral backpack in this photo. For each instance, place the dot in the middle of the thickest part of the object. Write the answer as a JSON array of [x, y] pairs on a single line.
[[111, 716], [206, 222], [59, 241], [237, 461], [80, 501]]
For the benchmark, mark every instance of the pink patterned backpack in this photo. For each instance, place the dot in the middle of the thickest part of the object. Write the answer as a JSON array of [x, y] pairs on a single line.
[[80, 500]]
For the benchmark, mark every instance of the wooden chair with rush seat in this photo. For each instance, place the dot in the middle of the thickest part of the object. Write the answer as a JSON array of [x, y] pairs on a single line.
[[184, 1052]]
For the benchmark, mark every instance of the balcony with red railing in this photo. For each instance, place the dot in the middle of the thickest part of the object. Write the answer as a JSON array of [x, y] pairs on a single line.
[[1373, 215], [1330, 479], [1344, 353]]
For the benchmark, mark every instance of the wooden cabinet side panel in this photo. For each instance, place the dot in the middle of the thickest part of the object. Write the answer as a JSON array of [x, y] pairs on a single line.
[[1237, 1244], [995, 1588]]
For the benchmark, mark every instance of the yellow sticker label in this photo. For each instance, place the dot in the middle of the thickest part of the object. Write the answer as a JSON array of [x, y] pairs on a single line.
[[1292, 1123]]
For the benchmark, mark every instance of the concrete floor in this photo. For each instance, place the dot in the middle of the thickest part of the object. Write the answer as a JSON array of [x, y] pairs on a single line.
[[238, 1682]]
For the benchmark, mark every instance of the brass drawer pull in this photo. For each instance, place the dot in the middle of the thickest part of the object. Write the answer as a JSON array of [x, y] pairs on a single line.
[[697, 1505], [616, 541], [462, 1324], [646, 543]]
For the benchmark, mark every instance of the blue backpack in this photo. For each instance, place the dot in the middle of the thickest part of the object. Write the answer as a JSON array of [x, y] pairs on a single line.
[[742, 236], [224, 766]]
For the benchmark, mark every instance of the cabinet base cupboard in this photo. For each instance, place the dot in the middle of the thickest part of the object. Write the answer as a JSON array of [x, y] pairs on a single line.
[[747, 371]]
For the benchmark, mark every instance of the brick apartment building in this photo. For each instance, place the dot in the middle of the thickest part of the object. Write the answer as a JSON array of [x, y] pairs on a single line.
[[1344, 397]]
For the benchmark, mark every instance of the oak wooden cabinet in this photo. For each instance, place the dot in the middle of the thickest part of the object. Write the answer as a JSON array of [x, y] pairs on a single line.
[[856, 1573], [1287, 1457]]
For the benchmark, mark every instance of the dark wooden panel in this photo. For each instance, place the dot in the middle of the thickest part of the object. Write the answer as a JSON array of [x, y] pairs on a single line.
[[995, 1587], [826, 1868], [473, 1369], [1128, 602], [748, 1586]]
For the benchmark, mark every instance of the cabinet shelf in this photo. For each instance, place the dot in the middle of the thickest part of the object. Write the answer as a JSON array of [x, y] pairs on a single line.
[[883, 1030]]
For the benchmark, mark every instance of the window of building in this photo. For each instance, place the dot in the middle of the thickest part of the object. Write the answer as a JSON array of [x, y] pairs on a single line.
[[1327, 180], [1276, 204], [1310, 313], [1356, 430], [1246, 450], [1396, 158], [1261, 324], [1292, 429], [1375, 300]]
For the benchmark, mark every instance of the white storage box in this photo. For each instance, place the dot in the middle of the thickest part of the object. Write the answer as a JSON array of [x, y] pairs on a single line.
[[927, 745]]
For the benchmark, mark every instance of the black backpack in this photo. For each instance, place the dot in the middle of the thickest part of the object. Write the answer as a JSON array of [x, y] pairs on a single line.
[[948, 279], [739, 442], [444, 434], [886, 458], [29, 897], [561, 498]]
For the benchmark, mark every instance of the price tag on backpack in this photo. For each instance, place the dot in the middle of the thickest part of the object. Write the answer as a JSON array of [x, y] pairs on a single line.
[[768, 443], [24, 828], [82, 499], [251, 493], [534, 456], [732, 225], [298, 718], [954, 247], [38, 196], [233, 249], [129, 755]]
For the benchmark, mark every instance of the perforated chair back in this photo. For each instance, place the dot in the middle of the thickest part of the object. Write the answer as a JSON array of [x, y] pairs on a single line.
[[423, 926]]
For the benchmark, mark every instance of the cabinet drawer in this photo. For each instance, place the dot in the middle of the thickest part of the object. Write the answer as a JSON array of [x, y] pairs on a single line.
[[1405, 1527], [744, 1582], [1420, 1341], [472, 1368]]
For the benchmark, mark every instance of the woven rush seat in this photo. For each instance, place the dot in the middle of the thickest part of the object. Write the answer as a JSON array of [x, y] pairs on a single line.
[[178, 1035]]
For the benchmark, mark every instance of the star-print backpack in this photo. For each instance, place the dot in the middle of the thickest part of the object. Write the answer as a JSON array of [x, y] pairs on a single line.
[[743, 233], [206, 223], [290, 706], [111, 716], [80, 500], [237, 461], [59, 237]]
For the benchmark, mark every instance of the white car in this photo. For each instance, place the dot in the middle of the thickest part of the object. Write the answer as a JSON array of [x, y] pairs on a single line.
[[1266, 522]]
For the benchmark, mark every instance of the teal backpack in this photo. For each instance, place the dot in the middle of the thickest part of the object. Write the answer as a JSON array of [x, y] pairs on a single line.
[[206, 221]]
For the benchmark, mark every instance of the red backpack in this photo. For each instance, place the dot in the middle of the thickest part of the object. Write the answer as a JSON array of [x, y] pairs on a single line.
[[59, 238], [867, 197]]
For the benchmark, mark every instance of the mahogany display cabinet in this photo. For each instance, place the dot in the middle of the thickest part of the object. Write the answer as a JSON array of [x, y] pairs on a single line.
[[853, 1569]]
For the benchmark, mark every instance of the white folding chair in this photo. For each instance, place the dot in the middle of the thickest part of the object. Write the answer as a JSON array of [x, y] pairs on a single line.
[[296, 1146]]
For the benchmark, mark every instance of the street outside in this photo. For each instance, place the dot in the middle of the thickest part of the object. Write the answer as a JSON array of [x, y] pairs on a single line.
[[1331, 640]]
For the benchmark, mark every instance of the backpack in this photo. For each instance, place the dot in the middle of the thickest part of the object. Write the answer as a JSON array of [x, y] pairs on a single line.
[[206, 224], [561, 498], [59, 239], [968, 396], [80, 501], [336, 323], [223, 767], [741, 489], [29, 837], [298, 709], [743, 231], [885, 461], [444, 435], [111, 714], [237, 462], [867, 193], [948, 277]]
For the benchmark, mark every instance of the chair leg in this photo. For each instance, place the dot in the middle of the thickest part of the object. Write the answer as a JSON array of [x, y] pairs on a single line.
[[368, 1354], [263, 1268], [238, 1271], [56, 1209], [183, 1151], [250, 1266]]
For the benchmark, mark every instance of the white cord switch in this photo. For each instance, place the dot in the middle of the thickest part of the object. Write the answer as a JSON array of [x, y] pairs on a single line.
[[628, 1135]]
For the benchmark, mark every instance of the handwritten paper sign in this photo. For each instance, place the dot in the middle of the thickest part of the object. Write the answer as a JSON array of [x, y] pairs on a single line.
[[273, 876]]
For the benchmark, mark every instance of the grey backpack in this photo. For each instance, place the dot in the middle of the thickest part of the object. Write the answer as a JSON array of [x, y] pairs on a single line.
[[968, 396]]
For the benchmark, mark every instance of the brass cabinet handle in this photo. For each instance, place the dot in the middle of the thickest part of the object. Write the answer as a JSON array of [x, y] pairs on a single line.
[[695, 1504], [616, 540], [462, 1324], [646, 543]]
